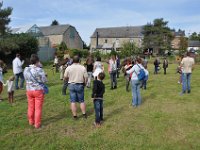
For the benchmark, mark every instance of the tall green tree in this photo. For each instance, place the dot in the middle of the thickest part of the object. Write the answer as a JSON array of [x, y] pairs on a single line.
[[54, 23], [194, 36], [157, 36], [4, 18]]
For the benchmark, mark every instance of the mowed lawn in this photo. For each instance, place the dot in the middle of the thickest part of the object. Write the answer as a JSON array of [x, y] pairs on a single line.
[[164, 121]]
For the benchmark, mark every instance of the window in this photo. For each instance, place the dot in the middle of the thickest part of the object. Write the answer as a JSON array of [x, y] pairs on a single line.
[[106, 41]]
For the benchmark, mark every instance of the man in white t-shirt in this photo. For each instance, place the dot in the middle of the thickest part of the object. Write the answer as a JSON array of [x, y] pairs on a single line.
[[187, 64], [76, 75], [18, 71]]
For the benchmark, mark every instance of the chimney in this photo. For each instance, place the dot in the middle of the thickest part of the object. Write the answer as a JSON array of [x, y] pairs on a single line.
[[97, 39]]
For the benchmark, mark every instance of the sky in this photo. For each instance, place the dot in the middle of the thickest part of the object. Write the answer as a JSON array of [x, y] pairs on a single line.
[[87, 15]]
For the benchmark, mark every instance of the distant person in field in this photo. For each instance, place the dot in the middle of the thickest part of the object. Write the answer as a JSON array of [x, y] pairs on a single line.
[[89, 66], [98, 67], [136, 100], [112, 69], [188, 65], [76, 75], [34, 75], [11, 88], [156, 66], [63, 65], [1, 78], [97, 96], [165, 65], [56, 62], [127, 67], [18, 71]]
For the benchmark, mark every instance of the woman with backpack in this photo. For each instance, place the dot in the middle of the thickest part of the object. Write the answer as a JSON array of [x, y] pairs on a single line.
[[137, 71]]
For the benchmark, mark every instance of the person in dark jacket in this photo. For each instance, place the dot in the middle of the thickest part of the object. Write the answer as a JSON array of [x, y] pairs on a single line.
[[165, 65], [156, 66], [97, 96]]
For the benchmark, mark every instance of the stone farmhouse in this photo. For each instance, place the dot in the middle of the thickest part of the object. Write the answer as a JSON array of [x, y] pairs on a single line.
[[114, 37], [50, 36], [63, 33], [175, 44]]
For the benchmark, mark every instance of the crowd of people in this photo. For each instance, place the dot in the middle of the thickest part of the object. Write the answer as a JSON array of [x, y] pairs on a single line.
[[76, 77]]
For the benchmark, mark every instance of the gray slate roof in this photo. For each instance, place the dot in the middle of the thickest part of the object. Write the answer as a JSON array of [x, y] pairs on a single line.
[[54, 30], [193, 43], [119, 32]]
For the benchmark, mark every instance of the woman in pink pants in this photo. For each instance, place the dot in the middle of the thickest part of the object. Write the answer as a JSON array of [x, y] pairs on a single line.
[[34, 75]]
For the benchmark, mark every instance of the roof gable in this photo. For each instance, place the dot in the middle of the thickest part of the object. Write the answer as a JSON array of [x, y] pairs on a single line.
[[54, 30], [119, 32], [24, 29]]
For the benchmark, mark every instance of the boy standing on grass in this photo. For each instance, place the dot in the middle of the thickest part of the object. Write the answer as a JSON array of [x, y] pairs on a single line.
[[97, 96], [10, 84]]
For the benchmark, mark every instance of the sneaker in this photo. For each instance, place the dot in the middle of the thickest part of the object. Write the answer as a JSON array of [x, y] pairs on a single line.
[[188, 91]]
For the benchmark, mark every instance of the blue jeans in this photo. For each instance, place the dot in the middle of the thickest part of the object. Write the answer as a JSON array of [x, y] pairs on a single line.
[[98, 107], [17, 76], [76, 92], [136, 93], [186, 77], [113, 79]]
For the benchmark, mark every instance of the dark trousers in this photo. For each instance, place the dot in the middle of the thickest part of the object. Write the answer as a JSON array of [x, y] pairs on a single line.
[[21, 76], [144, 84], [156, 70], [127, 82], [165, 70], [64, 88], [11, 96], [98, 107], [113, 79]]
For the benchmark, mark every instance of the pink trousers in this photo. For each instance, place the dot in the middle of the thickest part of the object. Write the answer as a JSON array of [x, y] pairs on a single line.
[[35, 102]]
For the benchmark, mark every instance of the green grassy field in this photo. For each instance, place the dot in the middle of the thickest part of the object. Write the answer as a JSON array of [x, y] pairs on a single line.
[[164, 121]]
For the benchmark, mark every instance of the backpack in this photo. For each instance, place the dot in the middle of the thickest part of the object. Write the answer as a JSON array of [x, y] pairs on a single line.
[[141, 75]]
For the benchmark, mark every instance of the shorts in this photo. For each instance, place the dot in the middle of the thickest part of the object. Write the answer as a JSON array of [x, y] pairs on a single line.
[[76, 92], [1, 87]]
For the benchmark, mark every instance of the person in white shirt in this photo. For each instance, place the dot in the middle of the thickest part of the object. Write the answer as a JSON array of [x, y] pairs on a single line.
[[187, 64], [56, 63], [18, 71], [11, 89], [136, 101]]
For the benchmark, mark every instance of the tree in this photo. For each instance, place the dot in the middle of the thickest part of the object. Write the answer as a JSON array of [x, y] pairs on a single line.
[[25, 44], [85, 46], [157, 36], [54, 23], [129, 49], [195, 36], [4, 18]]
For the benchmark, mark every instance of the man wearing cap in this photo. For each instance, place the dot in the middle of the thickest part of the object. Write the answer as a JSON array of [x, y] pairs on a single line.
[[76, 75]]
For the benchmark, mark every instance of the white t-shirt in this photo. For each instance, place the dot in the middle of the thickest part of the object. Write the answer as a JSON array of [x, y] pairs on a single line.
[[135, 70], [10, 85], [187, 64], [17, 65]]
